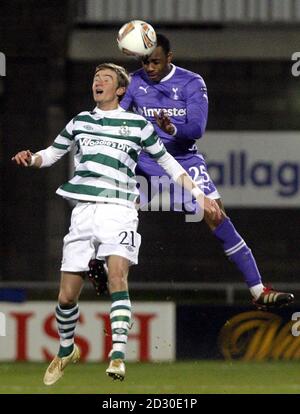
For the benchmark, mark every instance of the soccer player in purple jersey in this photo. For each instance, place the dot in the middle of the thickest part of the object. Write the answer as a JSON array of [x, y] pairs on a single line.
[[175, 100]]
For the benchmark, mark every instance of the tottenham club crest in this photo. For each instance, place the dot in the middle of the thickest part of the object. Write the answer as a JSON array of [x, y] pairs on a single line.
[[124, 130], [176, 97]]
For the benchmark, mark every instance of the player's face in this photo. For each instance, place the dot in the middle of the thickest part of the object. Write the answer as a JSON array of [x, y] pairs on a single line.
[[157, 65], [105, 89]]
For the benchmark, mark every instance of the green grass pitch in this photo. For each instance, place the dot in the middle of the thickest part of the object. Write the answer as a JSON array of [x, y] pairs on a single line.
[[193, 377]]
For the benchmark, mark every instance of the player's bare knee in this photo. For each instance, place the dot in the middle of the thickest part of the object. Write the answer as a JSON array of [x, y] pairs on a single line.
[[65, 299]]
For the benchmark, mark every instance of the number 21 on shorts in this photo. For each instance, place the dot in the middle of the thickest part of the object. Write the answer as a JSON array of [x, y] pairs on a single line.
[[127, 238]]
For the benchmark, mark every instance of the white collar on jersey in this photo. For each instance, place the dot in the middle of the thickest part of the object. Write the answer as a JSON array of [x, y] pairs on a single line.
[[170, 74], [110, 112]]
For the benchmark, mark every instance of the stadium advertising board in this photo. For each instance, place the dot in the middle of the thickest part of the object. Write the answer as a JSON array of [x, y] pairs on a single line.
[[31, 333], [237, 333], [254, 169]]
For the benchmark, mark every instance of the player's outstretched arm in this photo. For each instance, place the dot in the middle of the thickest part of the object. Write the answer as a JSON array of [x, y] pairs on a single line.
[[155, 147], [41, 159], [26, 158], [210, 207], [181, 177]]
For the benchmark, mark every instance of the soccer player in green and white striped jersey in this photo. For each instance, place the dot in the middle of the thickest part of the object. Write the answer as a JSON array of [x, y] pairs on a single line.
[[104, 221]]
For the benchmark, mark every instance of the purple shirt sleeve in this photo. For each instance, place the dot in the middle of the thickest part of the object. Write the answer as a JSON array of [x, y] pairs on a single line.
[[197, 111]]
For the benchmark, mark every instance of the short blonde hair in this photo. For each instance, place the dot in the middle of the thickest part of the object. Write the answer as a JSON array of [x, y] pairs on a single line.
[[122, 74]]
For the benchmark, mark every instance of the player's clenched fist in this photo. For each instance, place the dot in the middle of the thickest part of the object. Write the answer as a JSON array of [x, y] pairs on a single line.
[[164, 122], [212, 209], [27, 159], [23, 158]]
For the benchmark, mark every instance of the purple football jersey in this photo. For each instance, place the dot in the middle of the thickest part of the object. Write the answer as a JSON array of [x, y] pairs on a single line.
[[183, 95]]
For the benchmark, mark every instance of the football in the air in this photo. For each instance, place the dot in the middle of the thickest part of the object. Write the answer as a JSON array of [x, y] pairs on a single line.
[[137, 38]]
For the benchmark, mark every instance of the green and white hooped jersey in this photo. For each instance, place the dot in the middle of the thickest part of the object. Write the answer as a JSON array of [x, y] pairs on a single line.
[[107, 145]]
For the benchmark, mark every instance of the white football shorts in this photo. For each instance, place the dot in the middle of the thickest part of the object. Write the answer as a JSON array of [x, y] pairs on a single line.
[[99, 230]]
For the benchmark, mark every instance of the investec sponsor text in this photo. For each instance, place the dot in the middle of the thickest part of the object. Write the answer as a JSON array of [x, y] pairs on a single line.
[[168, 111]]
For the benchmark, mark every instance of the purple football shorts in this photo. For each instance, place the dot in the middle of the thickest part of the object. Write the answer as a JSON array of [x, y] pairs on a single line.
[[162, 193]]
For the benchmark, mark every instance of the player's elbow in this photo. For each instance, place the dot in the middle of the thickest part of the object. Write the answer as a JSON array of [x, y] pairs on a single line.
[[198, 132], [201, 132], [197, 128], [193, 130]]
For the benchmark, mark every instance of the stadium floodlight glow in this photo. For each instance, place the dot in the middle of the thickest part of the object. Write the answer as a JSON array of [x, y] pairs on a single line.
[[2, 64]]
